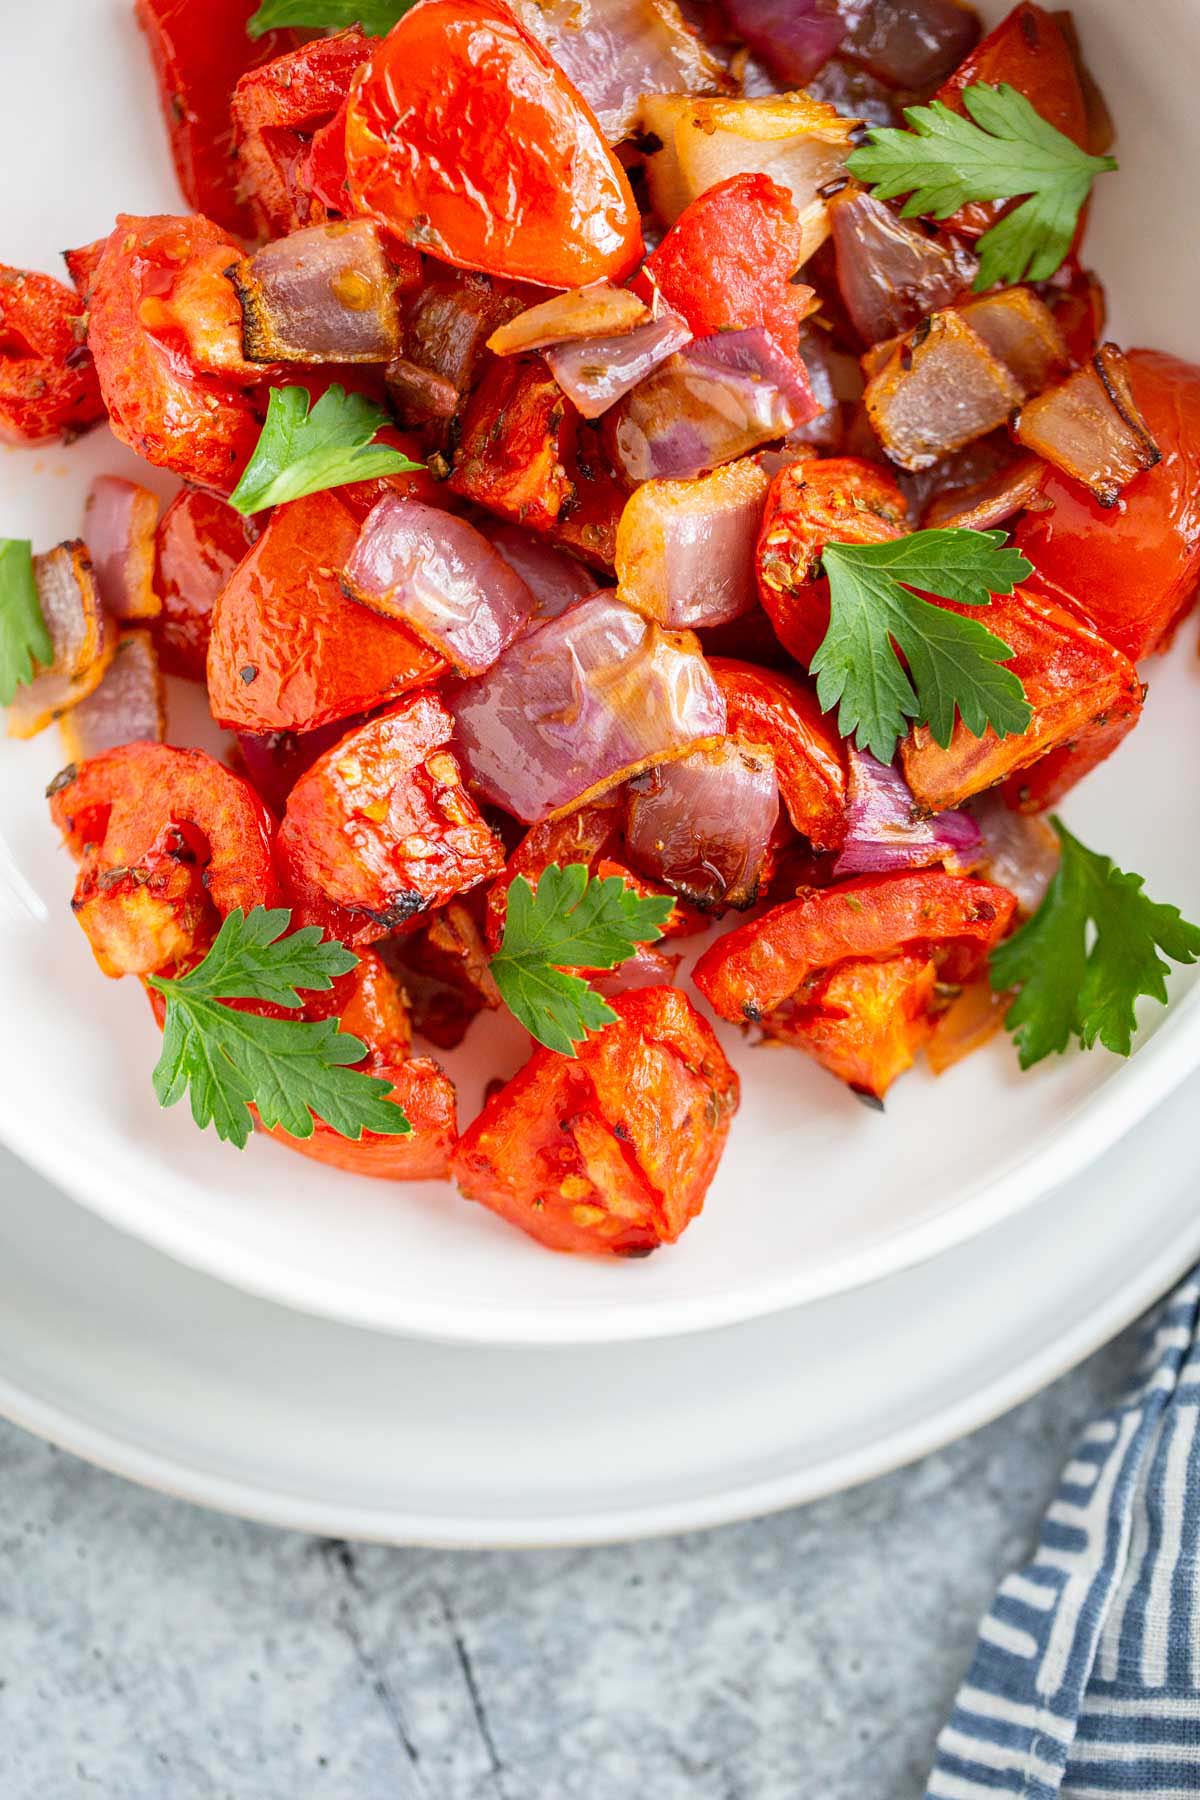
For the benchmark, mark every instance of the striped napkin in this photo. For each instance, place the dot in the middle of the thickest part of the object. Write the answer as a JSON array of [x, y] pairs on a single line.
[[1086, 1679]]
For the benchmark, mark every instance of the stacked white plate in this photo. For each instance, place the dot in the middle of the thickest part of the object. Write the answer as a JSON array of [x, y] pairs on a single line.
[[388, 1361]]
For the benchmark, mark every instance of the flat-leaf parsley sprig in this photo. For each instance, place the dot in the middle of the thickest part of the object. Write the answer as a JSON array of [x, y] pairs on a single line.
[[290, 1070], [954, 664], [303, 449], [375, 16], [1004, 150], [569, 921], [1089, 952], [24, 640]]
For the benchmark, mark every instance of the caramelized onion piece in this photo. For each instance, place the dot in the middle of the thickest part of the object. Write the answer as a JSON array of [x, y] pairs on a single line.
[[1089, 426], [126, 708], [324, 294], [82, 635], [614, 51], [120, 520], [938, 390], [418, 396], [990, 502], [553, 577], [594, 373], [440, 577], [702, 825], [889, 273], [884, 830], [596, 311], [799, 142], [1020, 332], [685, 549], [582, 702], [712, 402], [1018, 851], [910, 44]]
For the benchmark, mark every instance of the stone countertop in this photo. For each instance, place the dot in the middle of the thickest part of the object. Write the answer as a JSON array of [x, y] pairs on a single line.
[[150, 1650]]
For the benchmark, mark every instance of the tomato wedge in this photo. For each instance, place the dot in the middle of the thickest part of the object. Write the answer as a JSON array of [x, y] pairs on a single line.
[[465, 138]]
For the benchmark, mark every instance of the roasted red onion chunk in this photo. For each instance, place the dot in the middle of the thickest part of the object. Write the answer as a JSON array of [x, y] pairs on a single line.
[[1018, 851], [442, 578], [702, 825], [325, 294], [119, 525], [81, 634], [889, 272], [614, 51], [937, 390], [708, 404], [1021, 331], [127, 707], [584, 701], [649, 966], [553, 577], [884, 831], [594, 373], [418, 396], [1089, 426], [685, 549], [794, 38], [909, 43], [599, 310], [990, 502]]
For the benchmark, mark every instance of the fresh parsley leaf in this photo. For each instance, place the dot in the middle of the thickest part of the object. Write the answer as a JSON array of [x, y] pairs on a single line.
[[953, 663], [290, 1069], [24, 640], [1088, 953], [375, 16], [1005, 149], [302, 451], [570, 921]]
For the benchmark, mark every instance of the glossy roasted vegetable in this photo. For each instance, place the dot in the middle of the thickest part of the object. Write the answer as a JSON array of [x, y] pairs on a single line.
[[48, 385], [82, 637], [127, 707], [277, 110], [199, 543], [763, 707]]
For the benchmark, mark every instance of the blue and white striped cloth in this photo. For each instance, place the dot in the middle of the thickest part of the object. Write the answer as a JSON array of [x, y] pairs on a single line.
[[1086, 1679]]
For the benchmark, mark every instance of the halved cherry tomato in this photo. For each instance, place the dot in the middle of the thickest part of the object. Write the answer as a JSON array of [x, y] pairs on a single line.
[[810, 504], [1080, 688], [763, 707], [48, 385], [525, 453], [199, 543], [289, 651], [1131, 569], [169, 841], [863, 1020], [1029, 52], [465, 138], [202, 426], [426, 1095], [750, 971], [612, 1153], [199, 52], [381, 827], [276, 110], [729, 261]]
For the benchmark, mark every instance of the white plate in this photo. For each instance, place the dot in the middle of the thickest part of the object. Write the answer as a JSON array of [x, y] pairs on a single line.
[[186, 1384], [816, 1194]]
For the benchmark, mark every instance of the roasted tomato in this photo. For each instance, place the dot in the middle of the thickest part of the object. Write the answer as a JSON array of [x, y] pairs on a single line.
[[381, 826], [199, 52], [863, 1020], [611, 1153], [370, 1006], [466, 139], [729, 261], [289, 651], [276, 111], [526, 454], [202, 426], [1085, 696], [1029, 51], [168, 842], [1131, 569], [200, 542], [763, 707], [426, 1095], [754, 969], [48, 385], [809, 505]]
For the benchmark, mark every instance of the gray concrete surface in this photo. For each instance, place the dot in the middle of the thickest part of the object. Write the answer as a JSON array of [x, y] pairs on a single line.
[[153, 1651]]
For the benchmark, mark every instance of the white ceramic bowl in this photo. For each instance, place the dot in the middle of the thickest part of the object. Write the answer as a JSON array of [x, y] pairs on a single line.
[[816, 1193]]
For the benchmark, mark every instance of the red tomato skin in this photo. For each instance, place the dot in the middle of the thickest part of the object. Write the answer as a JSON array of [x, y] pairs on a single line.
[[199, 543], [199, 53], [763, 707], [500, 165], [289, 651], [864, 1021], [612, 1153], [48, 384], [729, 259], [1130, 569], [200, 426], [427, 1098]]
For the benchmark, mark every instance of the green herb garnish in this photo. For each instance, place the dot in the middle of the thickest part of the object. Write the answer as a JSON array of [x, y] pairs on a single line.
[[301, 451]]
